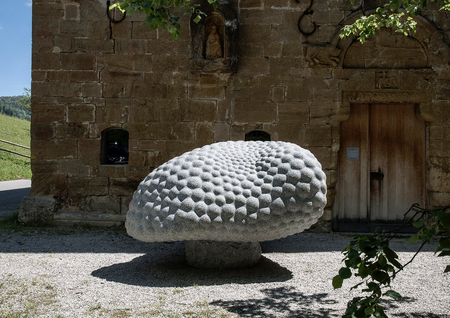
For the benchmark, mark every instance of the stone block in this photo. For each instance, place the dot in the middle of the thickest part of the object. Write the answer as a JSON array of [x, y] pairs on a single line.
[[204, 132], [207, 92], [136, 158], [54, 148], [45, 61], [51, 185], [123, 186], [103, 204], [142, 31], [221, 132], [130, 46], [299, 93], [122, 30], [144, 114], [121, 77], [48, 10], [44, 29], [223, 111], [86, 186], [198, 110], [81, 113], [71, 61], [42, 131], [74, 29], [115, 171], [144, 63], [92, 89], [439, 199], [254, 66], [253, 112], [326, 157], [84, 76], [291, 131], [44, 166], [251, 4], [47, 113], [74, 167], [113, 90], [89, 151], [71, 130], [293, 112], [272, 49], [260, 17], [94, 45], [37, 210]]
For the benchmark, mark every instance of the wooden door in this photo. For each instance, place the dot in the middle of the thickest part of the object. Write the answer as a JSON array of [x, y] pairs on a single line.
[[381, 166]]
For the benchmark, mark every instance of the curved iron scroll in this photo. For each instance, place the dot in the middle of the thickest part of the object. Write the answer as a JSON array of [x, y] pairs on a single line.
[[108, 13], [308, 11]]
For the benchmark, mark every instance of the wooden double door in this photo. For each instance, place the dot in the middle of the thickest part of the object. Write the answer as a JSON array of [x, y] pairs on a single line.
[[381, 166]]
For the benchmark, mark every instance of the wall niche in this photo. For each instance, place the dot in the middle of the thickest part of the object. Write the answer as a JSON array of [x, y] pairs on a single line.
[[214, 40]]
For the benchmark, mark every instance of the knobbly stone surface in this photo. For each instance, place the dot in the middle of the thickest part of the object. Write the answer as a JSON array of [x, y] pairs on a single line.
[[238, 191]]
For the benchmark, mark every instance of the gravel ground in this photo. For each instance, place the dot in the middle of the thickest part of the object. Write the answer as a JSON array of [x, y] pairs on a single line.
[[59, 272]]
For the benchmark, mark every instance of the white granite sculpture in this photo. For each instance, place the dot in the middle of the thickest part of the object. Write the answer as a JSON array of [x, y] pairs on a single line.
[[236, 191]]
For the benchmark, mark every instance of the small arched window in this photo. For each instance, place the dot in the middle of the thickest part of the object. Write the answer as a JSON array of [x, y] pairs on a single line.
[[114, 147], [257, 135]]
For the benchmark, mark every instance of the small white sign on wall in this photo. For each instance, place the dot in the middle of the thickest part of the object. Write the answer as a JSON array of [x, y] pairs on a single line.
[[352, 153]]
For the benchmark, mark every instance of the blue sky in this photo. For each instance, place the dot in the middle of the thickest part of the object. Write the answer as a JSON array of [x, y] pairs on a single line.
[[15, 47]]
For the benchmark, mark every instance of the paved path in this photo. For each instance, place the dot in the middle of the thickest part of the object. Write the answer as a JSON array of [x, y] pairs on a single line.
[[11, 194]]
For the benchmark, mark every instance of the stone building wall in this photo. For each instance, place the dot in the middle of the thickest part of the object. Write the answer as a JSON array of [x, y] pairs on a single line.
[[90, 74]]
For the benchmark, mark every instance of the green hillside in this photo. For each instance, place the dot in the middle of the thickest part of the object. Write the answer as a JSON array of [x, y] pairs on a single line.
[[12, 166], [10, 105]]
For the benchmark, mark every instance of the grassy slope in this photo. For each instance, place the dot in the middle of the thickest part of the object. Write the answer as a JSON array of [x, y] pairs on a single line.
[[15, 130]]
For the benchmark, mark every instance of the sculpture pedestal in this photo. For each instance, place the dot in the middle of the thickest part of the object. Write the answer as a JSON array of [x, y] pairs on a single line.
[[215, 254]]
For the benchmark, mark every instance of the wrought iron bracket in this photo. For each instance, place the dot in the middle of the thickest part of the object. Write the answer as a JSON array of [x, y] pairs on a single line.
[[108, 13], [308, 11]]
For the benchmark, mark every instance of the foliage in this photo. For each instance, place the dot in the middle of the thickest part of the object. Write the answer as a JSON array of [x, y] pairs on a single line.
[[13, 166], [25, 101], [11, 106], [158, 13], [397, 14], [370, 258]]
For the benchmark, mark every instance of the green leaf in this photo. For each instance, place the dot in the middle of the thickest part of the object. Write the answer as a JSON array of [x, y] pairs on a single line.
[[381, 276], [345, 273], [368, 311], [382, 261], [445, 242], [414, 238], [337, 282], [417, 224], [393, 294], [363, 270], [379, 312], [197, 18]]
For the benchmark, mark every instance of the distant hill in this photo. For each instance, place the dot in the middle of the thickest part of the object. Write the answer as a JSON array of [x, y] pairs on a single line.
[[10, 106]]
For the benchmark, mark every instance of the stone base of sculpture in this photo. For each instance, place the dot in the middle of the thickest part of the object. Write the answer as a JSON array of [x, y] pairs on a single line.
[[222, 255]]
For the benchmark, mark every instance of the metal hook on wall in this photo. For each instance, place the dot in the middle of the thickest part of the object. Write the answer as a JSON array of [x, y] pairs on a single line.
[[108, 13], [307, 12]]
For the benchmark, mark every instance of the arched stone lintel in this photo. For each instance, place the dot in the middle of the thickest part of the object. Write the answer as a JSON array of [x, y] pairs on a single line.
[[428, 35]]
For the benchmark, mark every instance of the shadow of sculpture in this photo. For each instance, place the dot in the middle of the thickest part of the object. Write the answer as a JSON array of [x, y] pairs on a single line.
[[153, 270], [282, 301]]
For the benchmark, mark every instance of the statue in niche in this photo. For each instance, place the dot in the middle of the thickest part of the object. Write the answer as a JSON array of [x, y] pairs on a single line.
[[214, 48], [214, 34]]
